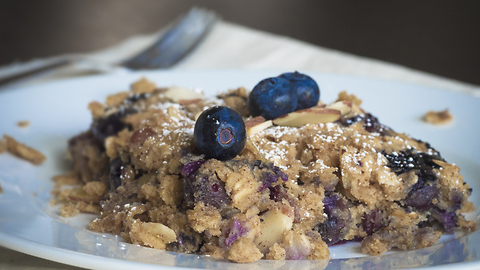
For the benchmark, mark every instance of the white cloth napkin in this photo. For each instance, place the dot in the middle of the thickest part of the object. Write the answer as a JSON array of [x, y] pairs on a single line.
[[230, 46]]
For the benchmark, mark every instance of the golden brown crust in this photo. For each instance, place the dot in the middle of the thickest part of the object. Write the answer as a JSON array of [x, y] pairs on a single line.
[[276, 252], [319, 251], [344, 96], [243, 250], [95, 188], [143, 86], [116, 99], [204, 218], [96, 109]]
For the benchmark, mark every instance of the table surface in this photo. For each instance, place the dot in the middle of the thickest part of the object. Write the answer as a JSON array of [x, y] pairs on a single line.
[[230, 46]]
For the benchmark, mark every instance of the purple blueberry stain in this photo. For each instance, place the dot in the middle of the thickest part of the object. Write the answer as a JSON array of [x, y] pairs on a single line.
[[407, 160], [192, 167], [277, 193], [424, 191], [233, 231], [185, 239], [268, 178], [206, 188], [338, 215], [112, 124], [447, 219], [422, 198], [372, 221], [370, 123]]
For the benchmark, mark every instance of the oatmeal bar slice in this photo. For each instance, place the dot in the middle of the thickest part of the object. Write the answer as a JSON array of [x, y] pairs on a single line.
[[291, 192]]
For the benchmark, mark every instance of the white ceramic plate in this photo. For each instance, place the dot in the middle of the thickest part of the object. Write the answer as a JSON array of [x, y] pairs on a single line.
[[58, 111]]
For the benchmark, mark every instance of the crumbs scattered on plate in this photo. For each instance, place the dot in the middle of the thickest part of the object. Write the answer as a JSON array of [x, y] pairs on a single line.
[[3, 145], [23, 124], [21, 150], [438, 117]]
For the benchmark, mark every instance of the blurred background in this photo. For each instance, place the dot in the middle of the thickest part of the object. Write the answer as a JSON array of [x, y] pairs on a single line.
[[435, 36]]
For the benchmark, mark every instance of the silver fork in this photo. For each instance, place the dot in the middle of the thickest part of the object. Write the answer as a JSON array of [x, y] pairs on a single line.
[[180, 37]]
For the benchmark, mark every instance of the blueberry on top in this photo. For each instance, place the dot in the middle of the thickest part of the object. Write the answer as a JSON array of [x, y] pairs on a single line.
[[306, 88], [220, 133], [272, 97]]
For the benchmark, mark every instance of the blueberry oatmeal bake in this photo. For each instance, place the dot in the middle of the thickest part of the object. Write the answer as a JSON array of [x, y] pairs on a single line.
[[269, 174]]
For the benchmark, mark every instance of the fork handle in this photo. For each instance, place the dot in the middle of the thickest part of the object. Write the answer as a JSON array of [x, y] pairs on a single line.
[[32, 72]]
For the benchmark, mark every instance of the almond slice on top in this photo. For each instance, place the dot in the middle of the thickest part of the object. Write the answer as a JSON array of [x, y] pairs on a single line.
[[176, 93], [345, 107], [256, 125], [313, 115]]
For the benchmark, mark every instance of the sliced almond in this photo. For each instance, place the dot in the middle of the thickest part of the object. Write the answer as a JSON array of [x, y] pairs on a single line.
[[176, 94], [23, 151], [313, 115], [274, 224], [173, 112], [256, 125], [198, 115], [151, 234], [345, 107], [185, 102]]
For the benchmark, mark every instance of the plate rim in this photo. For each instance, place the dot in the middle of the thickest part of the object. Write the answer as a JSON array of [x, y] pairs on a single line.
[[143, 73]]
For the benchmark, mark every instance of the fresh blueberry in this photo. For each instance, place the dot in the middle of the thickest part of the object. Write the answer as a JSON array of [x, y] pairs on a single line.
[[220, 133], [272, 97], [307, 89]]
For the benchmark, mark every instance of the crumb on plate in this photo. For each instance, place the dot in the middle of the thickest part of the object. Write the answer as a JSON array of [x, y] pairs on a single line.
[[23, 151], [438, 117], [23, 124]]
